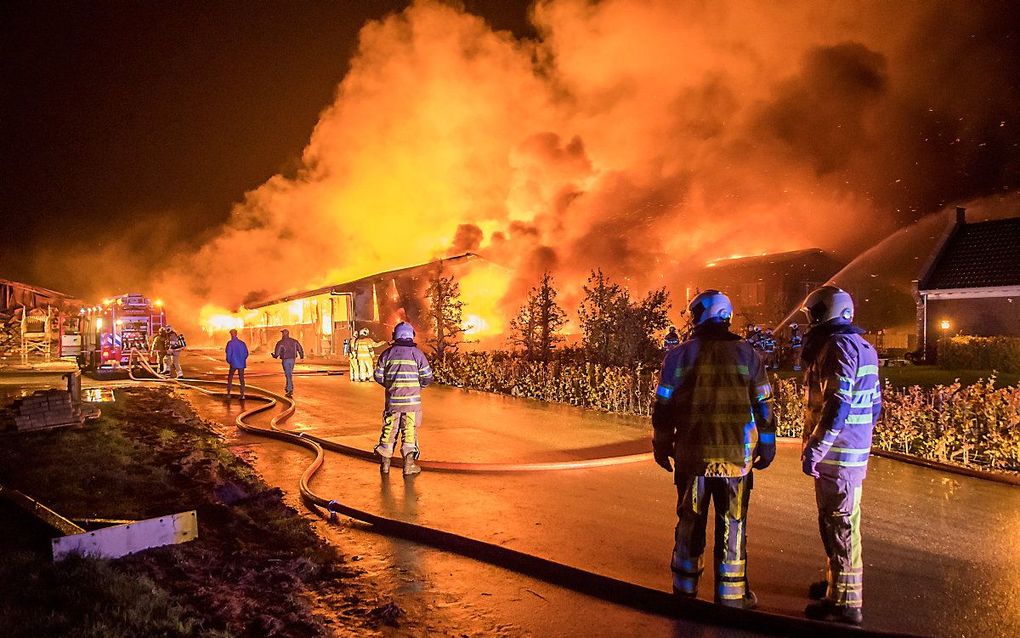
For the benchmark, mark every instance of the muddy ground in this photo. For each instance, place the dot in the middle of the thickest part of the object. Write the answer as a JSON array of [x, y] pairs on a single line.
[[258, 567]]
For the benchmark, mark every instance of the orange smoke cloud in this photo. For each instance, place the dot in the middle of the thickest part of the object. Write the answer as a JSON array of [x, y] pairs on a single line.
[[643, 137]]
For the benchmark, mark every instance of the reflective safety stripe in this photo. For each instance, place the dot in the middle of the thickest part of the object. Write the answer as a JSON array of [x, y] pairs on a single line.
[[844, 463], [829, 437], [664, 392], [763, 393], [406, 384], [398, 361], [732, 569], [859, 419], [731, 590], [864, 371], [851, 450]]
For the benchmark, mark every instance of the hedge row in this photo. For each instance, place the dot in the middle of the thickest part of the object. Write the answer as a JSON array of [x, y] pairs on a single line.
[[975, 426], [981, 353]]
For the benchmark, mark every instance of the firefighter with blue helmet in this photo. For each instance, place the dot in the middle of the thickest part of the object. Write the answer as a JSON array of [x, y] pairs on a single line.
[[844, 399], [712, 416], [403, 370]]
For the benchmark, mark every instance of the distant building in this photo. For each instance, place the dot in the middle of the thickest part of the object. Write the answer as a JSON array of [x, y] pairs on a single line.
[[35, 322], [971, 283], [323, 318], [766, 288]]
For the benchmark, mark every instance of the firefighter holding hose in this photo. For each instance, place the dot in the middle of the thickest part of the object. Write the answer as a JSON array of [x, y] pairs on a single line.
[[712, 418], [403, 370], [844, 399]]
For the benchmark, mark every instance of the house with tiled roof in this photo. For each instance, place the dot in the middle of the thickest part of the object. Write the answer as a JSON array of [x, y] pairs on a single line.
[[971, 283]]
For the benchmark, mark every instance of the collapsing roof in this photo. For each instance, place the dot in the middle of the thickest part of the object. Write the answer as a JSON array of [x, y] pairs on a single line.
[[975, 260], [349, 285], [16, 293]]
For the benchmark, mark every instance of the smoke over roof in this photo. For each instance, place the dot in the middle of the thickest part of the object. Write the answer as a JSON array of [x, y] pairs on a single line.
[[644, 137]]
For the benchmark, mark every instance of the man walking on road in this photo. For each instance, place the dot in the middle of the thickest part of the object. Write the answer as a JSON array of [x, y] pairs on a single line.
[[844, 399], [287, 351], [403, 370], [712, 417], [237, 359]]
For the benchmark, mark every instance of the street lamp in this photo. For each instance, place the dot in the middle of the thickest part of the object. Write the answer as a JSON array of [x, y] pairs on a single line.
[[944, 326]]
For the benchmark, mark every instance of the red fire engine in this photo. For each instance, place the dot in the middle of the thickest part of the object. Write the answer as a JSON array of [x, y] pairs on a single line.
[[109, 331]]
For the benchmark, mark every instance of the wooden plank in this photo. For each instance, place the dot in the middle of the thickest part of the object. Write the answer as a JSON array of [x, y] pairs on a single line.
[[40, 511], [121, 540]]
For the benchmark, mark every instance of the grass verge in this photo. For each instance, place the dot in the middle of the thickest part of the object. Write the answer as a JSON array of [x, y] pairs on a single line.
[[252, 572]]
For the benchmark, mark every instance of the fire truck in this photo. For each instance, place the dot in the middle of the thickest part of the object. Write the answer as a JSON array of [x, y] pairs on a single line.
[[110, 330]]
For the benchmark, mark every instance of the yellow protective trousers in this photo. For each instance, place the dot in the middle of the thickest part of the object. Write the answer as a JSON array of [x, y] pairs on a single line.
[[695, 495], [365, 365], [839, 521], [403, 424]]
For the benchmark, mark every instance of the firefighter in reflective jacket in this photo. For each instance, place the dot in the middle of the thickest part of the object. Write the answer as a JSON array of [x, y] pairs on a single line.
[[363, 353], [403, 370], [712, 416], [844, 399]]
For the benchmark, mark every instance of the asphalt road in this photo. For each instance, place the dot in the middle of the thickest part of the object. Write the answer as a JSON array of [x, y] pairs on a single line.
[[941, 551]]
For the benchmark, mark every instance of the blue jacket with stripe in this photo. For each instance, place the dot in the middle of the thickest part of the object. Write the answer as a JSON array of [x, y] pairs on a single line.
[[844, 400], [403, 370]]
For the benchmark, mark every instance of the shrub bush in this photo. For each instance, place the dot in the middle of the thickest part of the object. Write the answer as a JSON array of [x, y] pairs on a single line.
[[981, 353], [975, 426]]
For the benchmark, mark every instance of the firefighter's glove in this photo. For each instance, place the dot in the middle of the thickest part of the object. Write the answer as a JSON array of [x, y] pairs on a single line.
[[809, 465], [765, 453], [663, 453]]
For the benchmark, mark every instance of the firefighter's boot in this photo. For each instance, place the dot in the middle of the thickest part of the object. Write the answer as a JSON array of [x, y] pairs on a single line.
[[411, 466], [384, 465], [828, 611], [817, 589]]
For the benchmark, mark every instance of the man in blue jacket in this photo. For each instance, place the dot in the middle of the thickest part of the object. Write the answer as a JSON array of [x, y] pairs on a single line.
[[237, 359], [287, 350], [844, 399]]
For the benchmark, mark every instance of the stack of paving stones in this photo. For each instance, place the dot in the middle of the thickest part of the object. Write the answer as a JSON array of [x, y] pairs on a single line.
[[46, 409]]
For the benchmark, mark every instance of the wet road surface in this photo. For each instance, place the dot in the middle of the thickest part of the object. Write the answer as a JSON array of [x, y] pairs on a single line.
[[941, 551]]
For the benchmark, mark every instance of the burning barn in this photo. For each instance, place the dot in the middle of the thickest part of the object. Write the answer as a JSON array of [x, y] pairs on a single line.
[[323, 318], [765, 288]]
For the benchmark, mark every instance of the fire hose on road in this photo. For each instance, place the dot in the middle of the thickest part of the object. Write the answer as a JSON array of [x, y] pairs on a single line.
[[580, 580]]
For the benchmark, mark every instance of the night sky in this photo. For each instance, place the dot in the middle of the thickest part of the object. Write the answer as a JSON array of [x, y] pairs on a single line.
[[141, 140], [115, 112]]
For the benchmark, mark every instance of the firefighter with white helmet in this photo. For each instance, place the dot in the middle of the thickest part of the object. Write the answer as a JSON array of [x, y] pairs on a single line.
[[362, 355], [403, 370], [844, 399], [712, 417]]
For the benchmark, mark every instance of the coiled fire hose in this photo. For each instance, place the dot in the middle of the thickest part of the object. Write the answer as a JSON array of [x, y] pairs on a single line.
[[610, 589]]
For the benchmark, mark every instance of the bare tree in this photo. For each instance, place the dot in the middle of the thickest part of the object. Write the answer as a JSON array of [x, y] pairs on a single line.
[[618, 330], [536, 326], [445, 314], [598, 315]]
